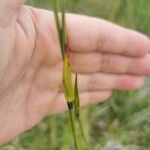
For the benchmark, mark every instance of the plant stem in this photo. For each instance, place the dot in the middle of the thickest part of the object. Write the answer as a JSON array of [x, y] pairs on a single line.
[[67, 77], [58, 26], [73, 127]]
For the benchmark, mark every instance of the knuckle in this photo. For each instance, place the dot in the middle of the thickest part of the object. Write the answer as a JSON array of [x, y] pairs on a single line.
[[105, 62], [92, 82]]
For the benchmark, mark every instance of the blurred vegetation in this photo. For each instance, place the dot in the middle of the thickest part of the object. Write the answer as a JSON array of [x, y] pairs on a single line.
[[122, 123]]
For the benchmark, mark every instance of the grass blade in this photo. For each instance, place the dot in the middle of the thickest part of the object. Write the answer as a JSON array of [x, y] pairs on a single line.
[[77, 106], [77, 101]]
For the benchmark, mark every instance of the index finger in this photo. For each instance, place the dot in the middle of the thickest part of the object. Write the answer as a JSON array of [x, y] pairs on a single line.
[[86, 34]]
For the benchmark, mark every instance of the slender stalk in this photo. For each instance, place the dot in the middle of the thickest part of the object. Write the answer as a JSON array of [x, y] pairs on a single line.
[[63, 16], [73, 127], [56, 15], [67, 77], [58, 26]]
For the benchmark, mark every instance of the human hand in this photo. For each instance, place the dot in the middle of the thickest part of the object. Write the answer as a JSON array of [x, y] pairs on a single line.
[[105, 56]]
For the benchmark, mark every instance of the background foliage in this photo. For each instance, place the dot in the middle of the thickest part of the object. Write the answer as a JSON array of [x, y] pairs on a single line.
[[122, 123]]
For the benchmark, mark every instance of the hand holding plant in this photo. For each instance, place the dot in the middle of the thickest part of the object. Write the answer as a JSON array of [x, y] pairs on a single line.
[[31, 64]]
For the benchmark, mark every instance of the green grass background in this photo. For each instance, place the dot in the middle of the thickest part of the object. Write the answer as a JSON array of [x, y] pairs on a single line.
[[122, 123]]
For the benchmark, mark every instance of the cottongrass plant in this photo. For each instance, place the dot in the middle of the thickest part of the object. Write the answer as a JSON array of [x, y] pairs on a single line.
[[71, 91]]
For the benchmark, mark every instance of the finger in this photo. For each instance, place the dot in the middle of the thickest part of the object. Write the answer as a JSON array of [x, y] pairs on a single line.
[[108, 82], [8, 10], [100, 81], [86, 98], [109, 63], [86, 34]]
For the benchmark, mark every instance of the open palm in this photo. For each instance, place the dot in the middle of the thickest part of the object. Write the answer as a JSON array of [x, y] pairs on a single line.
[[105, 56]]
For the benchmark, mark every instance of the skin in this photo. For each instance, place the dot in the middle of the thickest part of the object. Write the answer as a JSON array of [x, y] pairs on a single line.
[[105, 56]]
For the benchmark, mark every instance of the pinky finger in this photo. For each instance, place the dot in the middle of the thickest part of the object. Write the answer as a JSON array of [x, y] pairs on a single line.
[[86, 98]]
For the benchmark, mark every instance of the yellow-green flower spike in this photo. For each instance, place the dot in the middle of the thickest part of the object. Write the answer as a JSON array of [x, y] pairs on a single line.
[[67, 80]]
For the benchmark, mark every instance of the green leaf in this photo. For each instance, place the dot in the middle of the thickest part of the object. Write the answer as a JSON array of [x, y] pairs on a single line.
[[77, 99], [77, 105]]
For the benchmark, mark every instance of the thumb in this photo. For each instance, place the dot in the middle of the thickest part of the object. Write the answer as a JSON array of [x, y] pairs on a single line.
[[8, 10]]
